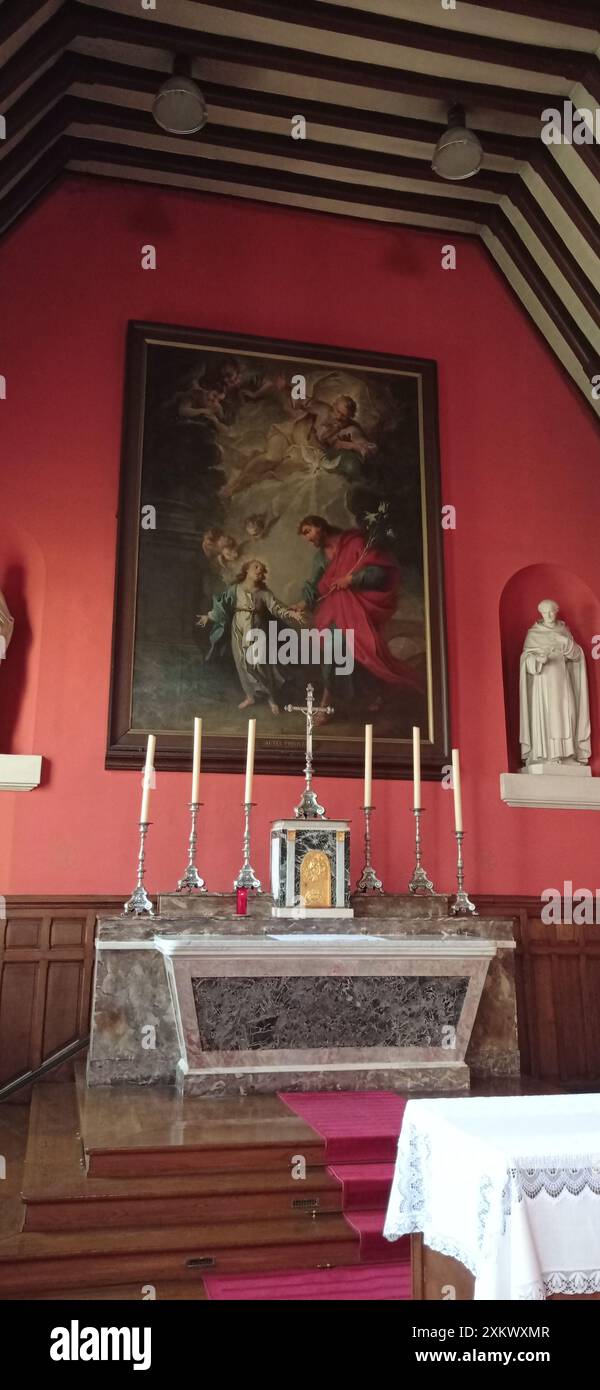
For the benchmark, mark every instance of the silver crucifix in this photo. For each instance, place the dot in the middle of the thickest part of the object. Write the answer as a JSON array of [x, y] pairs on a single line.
[[308, 806]]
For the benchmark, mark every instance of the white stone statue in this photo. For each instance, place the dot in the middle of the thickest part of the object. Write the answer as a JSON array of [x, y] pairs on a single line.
[[7, 623], [555, 712]]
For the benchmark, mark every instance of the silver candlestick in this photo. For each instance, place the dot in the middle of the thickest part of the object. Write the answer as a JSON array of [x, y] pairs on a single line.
[[368, 881], [191, 880], [420, 882], [139, 902], [462, 905], [247, 877]]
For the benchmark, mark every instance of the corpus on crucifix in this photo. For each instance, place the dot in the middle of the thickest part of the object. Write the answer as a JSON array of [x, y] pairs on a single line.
[[308, 805]]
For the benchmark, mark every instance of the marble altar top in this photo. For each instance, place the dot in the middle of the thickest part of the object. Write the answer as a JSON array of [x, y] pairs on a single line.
[[199, 944], [149, 930]]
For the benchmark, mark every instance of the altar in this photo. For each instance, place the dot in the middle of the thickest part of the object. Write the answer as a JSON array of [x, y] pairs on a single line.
[[401, 996], [309, 987]]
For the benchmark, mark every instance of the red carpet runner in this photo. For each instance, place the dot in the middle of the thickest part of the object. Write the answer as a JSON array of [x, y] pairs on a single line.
[[361, 1134], [364, 1283]]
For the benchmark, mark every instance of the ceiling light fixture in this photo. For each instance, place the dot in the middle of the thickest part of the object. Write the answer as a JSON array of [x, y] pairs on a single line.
[[458, 153], [179, 106]]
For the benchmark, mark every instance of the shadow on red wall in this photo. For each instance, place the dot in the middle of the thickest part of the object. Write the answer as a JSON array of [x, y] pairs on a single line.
[[579, 609]]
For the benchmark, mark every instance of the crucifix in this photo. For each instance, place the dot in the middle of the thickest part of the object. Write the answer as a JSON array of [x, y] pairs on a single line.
[[308, 805]]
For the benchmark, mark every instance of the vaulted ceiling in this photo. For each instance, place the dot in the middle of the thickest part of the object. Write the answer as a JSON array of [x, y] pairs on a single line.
[[374, 80]]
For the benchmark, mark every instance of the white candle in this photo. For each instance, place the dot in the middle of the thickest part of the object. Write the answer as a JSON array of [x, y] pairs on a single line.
[[368, 764], [196, 762], [250, 759], [458, 821], [148, 777], [417, 768]]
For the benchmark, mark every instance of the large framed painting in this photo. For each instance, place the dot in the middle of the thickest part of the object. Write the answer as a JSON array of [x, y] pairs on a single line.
[[280, 524]]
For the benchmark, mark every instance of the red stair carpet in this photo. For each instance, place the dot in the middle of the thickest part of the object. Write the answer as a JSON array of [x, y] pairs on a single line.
[[357, 1127], [389, 1282], [361, 1134]]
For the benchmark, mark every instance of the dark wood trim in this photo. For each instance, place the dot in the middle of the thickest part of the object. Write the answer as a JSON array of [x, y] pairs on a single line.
[[93, 23], [410, 33], [540, 223], [503, 229], [45, 44], [575, 13], [39, 180], [252, 176], [131, 77], [242, 138], [577, 211], [15, 14], [51, 85]]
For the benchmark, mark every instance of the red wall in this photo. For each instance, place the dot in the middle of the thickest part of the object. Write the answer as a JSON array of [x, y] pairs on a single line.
[[519, 462]]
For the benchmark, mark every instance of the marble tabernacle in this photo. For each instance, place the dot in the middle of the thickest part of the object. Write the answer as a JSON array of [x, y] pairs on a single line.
[[310, 868], [402, 996]]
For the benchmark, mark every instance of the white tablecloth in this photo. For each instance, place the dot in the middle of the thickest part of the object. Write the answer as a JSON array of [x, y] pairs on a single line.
[[510, 1186]]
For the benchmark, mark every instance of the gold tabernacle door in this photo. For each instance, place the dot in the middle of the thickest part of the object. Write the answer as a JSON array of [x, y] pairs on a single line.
[[315, 879]]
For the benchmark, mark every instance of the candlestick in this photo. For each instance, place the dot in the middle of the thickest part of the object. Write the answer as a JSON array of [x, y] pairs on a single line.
[[462, 905], [368, 764], [416, 769], [147, 779], [196, 762], [250, 761], [191, 879], [368, 881], [247, 877], [139, 901], [420, 882], [458, 820]]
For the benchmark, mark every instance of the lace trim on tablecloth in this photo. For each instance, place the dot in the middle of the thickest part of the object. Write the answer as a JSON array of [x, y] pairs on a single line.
[[570, 1281], [530, 1182]]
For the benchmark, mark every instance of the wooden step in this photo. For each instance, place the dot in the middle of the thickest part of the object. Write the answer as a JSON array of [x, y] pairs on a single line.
[[39, 1261], [188, 1290], [131, 1131], [58, 1195]]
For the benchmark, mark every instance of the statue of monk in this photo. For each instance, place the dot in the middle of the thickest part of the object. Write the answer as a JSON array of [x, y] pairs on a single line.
[[555, 712]]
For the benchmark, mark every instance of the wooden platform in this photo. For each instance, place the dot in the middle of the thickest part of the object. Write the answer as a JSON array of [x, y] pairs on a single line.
[[125, 1190]]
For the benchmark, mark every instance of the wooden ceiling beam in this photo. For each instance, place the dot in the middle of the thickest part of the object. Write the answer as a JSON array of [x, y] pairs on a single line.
[[109, 25], [374, 26]]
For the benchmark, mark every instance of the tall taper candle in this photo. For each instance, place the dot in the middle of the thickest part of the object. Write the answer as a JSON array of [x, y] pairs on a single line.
[[250, 760], [368, 764], [148, 778], [196, 762], [458, 821], [416, 768]]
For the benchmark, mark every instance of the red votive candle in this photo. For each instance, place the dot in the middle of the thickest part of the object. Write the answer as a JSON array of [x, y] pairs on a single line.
[[241, 901]]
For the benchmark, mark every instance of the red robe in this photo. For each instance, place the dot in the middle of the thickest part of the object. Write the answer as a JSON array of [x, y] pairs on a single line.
[[366, 611]]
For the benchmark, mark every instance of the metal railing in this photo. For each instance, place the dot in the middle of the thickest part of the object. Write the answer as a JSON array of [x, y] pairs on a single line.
[[56, 1060]]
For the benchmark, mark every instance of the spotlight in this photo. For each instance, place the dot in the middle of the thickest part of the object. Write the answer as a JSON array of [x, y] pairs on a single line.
[[458, 153], [179, 106]]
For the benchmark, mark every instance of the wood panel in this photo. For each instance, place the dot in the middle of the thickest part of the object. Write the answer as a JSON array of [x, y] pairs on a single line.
[[557, 979], [46, 965]]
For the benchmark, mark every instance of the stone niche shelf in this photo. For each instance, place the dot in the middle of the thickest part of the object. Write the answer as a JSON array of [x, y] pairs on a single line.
[[548, 792], [20, 772]]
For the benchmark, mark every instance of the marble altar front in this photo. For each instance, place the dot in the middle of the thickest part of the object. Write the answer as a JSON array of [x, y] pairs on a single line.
[[401, 996]]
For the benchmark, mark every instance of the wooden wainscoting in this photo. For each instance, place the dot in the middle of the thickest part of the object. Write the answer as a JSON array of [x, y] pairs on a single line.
[[46, 965], [558, 993]]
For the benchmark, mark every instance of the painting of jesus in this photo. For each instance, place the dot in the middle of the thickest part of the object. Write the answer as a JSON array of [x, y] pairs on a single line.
[[282, 488]]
